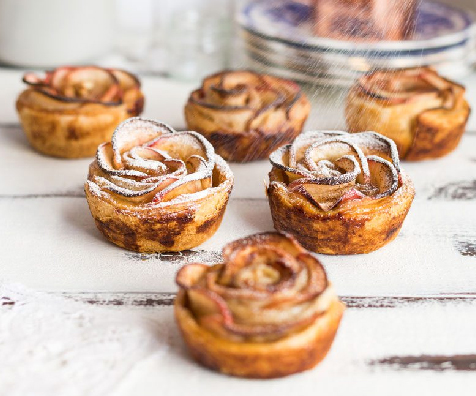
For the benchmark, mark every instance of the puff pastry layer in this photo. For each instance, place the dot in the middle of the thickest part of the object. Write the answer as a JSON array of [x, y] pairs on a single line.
[[246, 115], [424, 113], [72, 110], [267, 311], [339, 193], [153, 189]]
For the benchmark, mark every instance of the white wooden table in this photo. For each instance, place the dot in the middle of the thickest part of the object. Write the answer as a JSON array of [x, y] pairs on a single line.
[[410, 326]]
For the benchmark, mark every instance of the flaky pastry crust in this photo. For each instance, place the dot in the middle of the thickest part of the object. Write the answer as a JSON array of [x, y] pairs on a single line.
[[268, 311], [424, 113], [153, 189], [339, 193], [72, 110], [246, 115]]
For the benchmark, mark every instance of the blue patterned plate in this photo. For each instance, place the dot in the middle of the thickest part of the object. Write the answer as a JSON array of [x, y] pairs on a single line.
[[438, 26]]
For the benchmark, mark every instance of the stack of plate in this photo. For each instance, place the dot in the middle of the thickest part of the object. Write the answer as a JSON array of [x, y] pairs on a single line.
[[278, 39]]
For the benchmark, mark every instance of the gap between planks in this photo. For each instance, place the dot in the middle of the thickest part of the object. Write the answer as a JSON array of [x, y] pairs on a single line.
[[150, 300]]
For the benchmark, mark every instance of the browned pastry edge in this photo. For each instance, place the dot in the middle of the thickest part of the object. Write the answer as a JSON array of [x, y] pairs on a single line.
[[355, 227], [298, 352], [68, 134], [436, 134], [175, 227], [433, 134], [247, 145], [64, 128]]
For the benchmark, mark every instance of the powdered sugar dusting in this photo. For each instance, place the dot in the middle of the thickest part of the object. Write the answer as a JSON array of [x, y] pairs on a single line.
[[148, 175], [319, 159]]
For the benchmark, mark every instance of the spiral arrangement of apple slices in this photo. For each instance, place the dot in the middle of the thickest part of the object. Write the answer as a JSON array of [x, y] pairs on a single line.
[[339, 193], [246, 115], [154, 189], [267, 287], [268, 290], [90, 84], [150, 162], [424, 113], [329, 168]]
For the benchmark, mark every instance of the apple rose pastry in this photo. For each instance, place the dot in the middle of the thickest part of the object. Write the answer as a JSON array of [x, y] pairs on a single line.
[[245, 115], [339, 193], [424, 113], [153, 189], [267, 311], [71, 110]]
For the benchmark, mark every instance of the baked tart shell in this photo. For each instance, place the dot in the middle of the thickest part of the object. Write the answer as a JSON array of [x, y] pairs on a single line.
[[298, 352], [174, 227], [238, 146], [239, 131], [419, 133], [353, 227]]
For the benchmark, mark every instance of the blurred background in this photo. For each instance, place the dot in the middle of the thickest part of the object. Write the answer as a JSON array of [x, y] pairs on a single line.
[[188, 39]]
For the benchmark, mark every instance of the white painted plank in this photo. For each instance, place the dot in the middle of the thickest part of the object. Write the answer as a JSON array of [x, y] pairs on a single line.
[[365, 336], [431, 348], [52, 244]]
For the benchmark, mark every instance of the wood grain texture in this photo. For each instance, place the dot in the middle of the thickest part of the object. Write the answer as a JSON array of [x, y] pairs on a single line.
[[429, 362], [150, 300]]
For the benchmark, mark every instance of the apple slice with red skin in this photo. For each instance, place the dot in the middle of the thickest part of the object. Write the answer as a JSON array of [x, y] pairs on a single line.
[[134, 132], [384, 176]]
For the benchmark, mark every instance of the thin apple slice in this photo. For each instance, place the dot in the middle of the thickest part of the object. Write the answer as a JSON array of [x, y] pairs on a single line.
[[249, 258], [104, 157], [90, 83], [205, 303], [305, 139], [134, 194], [187, 185], [243, 77], [126, 79], [384, 176], [281, 158], [144, 159], [332, 150], [317, 279], [32, 79], [271, 239], [327, 192], [325, 196], [189, 275], [183, 145], [134, 132], [373, 143]]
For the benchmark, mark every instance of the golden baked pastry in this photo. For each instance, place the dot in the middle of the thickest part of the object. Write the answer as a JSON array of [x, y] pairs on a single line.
[[246, 115], [72, 110], [339, 193], [424, 113], [153, 189], [267, 311]]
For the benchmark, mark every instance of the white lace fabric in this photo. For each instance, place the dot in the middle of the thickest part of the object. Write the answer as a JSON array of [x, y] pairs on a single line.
[[53, 345]]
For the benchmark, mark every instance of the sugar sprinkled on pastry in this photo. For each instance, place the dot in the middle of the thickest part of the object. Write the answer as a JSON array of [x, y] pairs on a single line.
[[71, 110], [267, 311], [153, 189], [339, 193]]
